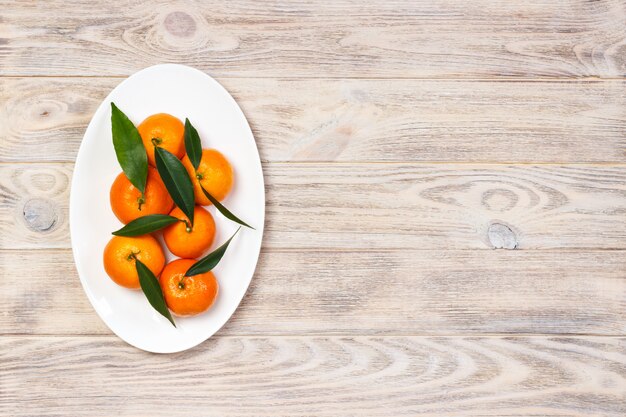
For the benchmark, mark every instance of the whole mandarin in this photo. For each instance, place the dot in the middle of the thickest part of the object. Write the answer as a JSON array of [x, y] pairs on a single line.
[[187, 296], [120, 254], [165, 131], [190, 242], [126, 201], [214, 173]]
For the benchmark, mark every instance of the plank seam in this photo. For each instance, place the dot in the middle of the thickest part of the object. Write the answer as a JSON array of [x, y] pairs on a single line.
[[295, 78], [342, 335], [607, 164], [373, 250]]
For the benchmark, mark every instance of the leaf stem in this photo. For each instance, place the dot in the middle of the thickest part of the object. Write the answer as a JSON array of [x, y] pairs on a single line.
[[133, 255], [187, 225], [141, 201]]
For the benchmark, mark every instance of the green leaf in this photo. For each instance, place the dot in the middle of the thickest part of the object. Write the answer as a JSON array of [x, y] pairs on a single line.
[[193, 146], [225, 212], [131, 154], [211, 260], [146, 224], [176, 180], [152, 290]]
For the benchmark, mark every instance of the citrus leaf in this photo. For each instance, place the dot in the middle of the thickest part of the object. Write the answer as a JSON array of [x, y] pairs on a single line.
[[225, 212], [131, 154], [146, 224], [193, 146], [151, 288], [176, 180], [211, 260]]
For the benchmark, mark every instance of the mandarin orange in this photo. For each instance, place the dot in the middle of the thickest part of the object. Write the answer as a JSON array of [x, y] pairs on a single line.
[[120, 254], [187, 296], [165, 131], [214, 173], [127, 203], [190, 242]]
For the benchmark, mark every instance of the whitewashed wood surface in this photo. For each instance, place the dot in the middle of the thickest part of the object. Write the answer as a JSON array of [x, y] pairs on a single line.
[[446, 208]]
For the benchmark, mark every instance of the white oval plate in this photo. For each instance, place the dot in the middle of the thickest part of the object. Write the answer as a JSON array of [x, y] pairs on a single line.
[[183, 92]]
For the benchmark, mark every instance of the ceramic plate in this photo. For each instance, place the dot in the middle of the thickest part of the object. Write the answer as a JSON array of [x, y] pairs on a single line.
[[183, 92]]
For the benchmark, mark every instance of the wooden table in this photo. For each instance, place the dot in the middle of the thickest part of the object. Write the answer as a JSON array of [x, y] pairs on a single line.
[[446, 208]]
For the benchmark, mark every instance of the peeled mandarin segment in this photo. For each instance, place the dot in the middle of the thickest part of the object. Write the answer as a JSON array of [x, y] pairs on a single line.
[[162, 130]]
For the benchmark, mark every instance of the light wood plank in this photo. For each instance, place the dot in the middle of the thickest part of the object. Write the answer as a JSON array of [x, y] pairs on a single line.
[[321, 376], [362, 292], [357, 120], [345, 38], [445, 206], [384, 206]]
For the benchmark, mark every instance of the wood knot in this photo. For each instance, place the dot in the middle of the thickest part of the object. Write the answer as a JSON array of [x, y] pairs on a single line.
[[180, 24], [501, 236], [40, 215], [43, 110], [499, 199]]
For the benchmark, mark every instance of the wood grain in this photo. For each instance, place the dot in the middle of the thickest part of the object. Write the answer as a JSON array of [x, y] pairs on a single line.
[[34, 205], [439, 38], [321, 376], [362, 292], [383, 206], [44, 119], [398, 139], [445, 206]]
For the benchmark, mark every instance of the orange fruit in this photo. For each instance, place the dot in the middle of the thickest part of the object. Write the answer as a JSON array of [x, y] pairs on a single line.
[[190, 242], [125, 198], [165, 131], [119, 258], [187, 296], [214, 173]]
